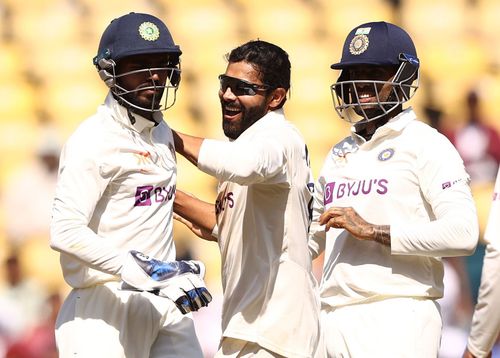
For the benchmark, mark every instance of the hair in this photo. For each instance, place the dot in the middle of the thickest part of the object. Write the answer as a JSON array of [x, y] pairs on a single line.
[[270, 61]]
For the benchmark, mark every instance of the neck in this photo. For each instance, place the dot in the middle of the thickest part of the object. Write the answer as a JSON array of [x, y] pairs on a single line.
[[367, 129]]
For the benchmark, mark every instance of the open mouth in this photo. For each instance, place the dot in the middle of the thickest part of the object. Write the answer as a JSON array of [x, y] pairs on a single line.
[[366, 98], [230, 112]]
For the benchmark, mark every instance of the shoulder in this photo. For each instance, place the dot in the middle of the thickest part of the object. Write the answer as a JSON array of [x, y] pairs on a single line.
[[431, 146], [163, 131], [423, 135], [90, 137]]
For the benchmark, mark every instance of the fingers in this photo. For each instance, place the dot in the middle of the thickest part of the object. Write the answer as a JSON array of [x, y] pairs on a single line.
[[334, 222], [184, 221], [333, 217]]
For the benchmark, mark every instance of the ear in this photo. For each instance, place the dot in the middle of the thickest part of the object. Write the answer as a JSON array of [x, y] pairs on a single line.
[[276, 98]]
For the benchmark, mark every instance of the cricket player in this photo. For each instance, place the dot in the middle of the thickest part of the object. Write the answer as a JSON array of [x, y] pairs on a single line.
[[112, 213], [391, 200], [485, 326], [261, 216]]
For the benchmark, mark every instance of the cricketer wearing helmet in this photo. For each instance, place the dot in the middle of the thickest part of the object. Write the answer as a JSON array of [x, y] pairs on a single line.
[[112, 213], [391, 200]]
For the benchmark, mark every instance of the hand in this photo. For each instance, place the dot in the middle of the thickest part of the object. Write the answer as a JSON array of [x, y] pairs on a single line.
[[201, 233], [180, 281], [468, 354], [347, 218], [187, 291]]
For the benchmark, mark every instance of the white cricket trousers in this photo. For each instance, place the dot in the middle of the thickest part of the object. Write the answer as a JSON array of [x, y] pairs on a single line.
[[237, 348], [104, 321], [390, 328]]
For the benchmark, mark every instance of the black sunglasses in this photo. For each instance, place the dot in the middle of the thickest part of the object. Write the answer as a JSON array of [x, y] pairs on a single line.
[[240, 87]]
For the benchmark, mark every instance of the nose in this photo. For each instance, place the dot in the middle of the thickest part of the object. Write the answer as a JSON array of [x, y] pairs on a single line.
[[227, 94], [153, 75]]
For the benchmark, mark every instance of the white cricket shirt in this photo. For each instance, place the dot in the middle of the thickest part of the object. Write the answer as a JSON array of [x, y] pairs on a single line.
[[270, 295], [486, 319], [115, 193], [410, 177]]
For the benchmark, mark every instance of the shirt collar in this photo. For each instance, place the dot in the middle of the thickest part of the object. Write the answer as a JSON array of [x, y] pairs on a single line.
[[277, 114], [395, 124], [121, 115]]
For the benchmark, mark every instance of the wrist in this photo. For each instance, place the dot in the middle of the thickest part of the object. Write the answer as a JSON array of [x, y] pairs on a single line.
[[382, 234]]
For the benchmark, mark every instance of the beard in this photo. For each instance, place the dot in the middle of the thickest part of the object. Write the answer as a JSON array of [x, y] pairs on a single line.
[[145, 102], [233, 129]]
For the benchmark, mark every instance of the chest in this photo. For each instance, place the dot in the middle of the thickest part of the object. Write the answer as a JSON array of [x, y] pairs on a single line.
[[143, 169], [380, 173]]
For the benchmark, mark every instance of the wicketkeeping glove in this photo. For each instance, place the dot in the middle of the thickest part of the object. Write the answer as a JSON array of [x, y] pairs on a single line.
[[180, 281]]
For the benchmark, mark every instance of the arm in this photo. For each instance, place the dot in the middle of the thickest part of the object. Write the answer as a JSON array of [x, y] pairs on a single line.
[[187, 146], [80, 186], [317, 234], [486, 319], [232, 161], [197, 215], [444, 185]]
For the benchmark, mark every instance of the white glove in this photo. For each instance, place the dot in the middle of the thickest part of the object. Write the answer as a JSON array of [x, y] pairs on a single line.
[[180, 281]]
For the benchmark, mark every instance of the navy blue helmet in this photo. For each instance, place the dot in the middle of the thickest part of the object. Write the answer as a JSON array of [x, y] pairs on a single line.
[[375, 44], [137, 34]]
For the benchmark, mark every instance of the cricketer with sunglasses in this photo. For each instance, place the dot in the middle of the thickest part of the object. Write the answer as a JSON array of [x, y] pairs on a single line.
[[262, 213]]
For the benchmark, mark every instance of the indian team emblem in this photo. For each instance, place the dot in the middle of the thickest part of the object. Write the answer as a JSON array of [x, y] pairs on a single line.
[[386, 154], [359, 44], [149, 31]]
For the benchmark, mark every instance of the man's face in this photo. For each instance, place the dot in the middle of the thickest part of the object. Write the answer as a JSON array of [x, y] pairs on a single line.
[[147, 86], [368, 91], [240, 109]]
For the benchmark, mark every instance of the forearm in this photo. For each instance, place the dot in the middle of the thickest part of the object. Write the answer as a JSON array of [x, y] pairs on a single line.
[[198, 212], [187, 146], [81, 243]]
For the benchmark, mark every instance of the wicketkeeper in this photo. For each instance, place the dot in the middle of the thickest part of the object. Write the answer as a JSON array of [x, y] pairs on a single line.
[[112, 213]]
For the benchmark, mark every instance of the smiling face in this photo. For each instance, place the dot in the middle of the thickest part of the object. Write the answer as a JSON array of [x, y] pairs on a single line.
[[241, 110], [372, 88]]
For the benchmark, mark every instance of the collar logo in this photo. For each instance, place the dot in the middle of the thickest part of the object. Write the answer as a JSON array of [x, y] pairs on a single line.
[[386, 154], [149, 31]]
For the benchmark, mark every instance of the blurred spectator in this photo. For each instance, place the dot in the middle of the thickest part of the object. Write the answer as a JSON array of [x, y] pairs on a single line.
[[28, 195], [477, 142], [21, 300], [39, 341]]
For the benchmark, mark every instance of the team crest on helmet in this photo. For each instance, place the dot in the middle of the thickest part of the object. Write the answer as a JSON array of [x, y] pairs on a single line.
[[359, 44], [149, 31], [386, 154]]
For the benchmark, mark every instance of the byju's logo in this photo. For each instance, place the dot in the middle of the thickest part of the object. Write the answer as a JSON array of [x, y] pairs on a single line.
[[148, 194], [340, 190], [223, 201], [449, 184]]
